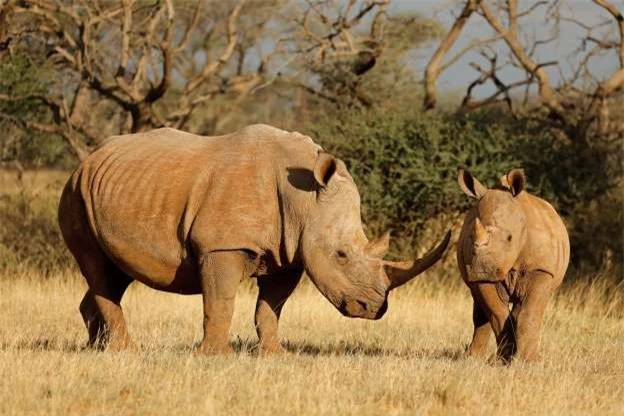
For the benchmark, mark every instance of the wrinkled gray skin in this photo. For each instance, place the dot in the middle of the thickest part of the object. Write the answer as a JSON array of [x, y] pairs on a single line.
[[190, 214], [513, 248]]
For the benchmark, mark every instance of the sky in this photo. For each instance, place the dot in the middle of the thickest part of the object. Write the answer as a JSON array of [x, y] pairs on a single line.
[[562, 50]]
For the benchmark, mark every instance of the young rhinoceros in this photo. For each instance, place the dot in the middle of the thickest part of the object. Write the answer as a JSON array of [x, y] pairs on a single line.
[[189, 214], [513, 248]]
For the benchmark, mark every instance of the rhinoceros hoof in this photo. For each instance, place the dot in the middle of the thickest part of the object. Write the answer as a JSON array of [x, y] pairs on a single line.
[[121, 346], [215, 349], [271, 349]]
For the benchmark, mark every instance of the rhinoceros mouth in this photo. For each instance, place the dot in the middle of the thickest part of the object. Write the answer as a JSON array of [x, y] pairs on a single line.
[[359, 309], [485, 275]]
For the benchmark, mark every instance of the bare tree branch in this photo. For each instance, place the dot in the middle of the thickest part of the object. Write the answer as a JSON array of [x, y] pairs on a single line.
[[617, 15], [434, 67], [122, 53], [212, 67], [510, 35], [578, 106]]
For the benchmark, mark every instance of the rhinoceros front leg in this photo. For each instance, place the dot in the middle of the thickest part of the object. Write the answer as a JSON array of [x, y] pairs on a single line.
[[528, 314], [274, 291], [221, 272], [501, 321], [482, 330]]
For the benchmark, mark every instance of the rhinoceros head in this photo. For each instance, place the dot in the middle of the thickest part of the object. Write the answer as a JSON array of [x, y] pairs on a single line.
[[498, 228], [343, 264]]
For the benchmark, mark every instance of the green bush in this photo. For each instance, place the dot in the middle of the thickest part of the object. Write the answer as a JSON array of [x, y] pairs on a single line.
[[24, 76], [406, 162]]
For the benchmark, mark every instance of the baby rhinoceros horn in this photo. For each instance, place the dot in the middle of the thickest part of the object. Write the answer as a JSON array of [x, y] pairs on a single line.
[[400, 273]]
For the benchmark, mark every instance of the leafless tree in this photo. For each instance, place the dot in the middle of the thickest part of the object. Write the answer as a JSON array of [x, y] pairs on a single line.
[[330, 45], [578, 105], [140, 65], [128, 65]]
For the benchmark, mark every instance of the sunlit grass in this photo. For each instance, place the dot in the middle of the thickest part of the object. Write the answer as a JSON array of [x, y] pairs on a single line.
[[409, 362]]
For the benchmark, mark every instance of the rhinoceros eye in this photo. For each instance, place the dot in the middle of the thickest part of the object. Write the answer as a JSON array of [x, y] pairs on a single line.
[[342, 256], [509, 238]]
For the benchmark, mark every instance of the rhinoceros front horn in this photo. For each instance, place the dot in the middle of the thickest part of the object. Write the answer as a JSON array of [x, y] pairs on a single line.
[[400, 273]]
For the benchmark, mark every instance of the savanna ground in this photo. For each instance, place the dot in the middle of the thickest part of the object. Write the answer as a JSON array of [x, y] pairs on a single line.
[[409, 362]]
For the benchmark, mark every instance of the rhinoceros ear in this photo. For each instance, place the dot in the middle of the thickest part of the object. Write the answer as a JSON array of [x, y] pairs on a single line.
[[516, 181], [470, 185], [503, 181], [324, 168]]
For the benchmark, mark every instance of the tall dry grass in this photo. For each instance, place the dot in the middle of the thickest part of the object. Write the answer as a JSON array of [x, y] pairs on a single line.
[[410, 362]]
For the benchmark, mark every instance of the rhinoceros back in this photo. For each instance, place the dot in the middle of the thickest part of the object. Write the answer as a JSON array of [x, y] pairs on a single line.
[[145, 194]]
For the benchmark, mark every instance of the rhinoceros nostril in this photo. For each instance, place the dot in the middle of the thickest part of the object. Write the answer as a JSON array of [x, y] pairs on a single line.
[[363, 305], [382, 310]]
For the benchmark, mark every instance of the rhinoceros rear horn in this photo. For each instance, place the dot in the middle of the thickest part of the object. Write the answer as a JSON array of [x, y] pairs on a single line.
[[379, 247], [400, 273]]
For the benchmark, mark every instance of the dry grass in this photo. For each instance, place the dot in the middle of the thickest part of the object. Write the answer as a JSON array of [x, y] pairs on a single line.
[[410, 362]]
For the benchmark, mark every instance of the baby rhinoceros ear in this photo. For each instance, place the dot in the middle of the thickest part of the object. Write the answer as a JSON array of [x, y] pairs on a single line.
[[470, 185], [515, 181]]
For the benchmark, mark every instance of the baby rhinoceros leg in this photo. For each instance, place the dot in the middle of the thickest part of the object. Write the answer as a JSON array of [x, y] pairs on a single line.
[[496, 309], [528, 314], [482, 330], [274, 291]]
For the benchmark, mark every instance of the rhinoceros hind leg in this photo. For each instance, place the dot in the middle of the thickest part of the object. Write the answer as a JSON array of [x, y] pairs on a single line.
[[93, 321], [101, 309], [482, 331], [221, 273], [274, 291]]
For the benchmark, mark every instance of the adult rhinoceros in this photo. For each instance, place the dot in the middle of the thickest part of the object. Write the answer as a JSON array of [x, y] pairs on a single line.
[[189, 214]]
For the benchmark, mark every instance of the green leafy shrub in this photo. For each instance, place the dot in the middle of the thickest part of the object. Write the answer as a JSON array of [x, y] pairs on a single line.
[[25, 76], [406, 163]]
